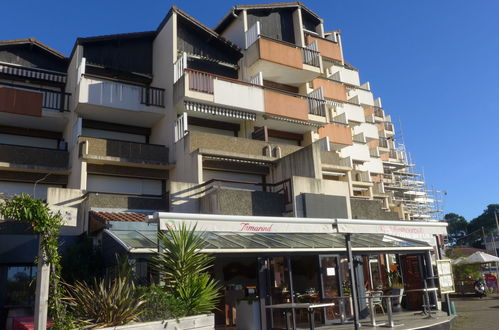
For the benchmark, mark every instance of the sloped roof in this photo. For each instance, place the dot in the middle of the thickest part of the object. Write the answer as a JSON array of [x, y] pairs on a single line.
[[32, 41], [132, 35], [229, 17]]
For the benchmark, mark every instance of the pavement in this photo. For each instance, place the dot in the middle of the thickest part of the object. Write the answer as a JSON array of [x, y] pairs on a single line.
[[476, 313]]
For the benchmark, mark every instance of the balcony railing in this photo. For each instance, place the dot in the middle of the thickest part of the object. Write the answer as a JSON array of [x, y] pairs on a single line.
[[378, 112], [311, 56], [32, 73], [359, 138], [124, 151], [282, 187], [316, 103], [33, 157], [378, 188], [383, 142], [361, 176], [374, 152], [393, 154], [153, 96], [52, 100], [201, 81], [113, 93], [389, 127]]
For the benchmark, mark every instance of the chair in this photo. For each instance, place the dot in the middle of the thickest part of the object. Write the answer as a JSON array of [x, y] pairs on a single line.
[[377, 301]]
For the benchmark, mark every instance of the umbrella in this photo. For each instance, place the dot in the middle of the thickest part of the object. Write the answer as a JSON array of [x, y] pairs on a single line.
[[476, 258]]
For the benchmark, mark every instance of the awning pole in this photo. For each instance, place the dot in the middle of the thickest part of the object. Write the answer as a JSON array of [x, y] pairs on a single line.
[[353, 283]]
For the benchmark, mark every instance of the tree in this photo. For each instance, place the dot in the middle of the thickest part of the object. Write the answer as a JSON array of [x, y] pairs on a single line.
[[457, 224], [486, 219]]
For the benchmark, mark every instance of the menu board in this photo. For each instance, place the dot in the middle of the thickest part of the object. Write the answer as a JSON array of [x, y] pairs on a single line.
[[445, 277]]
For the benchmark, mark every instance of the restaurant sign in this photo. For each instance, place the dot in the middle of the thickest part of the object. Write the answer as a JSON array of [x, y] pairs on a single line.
[[445, 276], [248, 226]]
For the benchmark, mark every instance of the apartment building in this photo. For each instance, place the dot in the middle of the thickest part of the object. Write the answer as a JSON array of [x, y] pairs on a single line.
[[259, 116]]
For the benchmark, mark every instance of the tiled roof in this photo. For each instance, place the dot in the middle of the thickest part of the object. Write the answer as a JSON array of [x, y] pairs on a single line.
[[467, 251], [105, 217]]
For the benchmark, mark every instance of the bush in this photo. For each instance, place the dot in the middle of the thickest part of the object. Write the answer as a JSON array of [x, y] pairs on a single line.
[[159, 305], [106, 302]]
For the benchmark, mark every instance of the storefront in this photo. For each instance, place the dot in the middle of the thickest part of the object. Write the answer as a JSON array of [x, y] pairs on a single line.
[[264, 261]]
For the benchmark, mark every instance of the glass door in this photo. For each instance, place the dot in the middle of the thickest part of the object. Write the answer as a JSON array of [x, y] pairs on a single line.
[[331, 288], [280, 290]]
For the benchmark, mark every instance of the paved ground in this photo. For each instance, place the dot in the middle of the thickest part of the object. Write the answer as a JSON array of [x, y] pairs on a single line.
[[476, 313]]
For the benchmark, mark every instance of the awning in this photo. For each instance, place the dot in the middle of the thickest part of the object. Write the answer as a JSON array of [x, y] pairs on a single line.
[[229, 242], [219, 111]]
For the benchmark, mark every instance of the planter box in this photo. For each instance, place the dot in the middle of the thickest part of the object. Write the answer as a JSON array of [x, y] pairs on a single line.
[[198, 322]]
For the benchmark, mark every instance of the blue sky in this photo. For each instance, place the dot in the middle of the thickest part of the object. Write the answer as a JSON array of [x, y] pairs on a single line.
[[434, 63]]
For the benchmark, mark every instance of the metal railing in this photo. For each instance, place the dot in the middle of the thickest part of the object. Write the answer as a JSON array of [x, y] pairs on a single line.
[[152, 96], [374, 152], [393, 154], [311, 55], [359, 138], [383, 142], [389, 127], [317, 103]]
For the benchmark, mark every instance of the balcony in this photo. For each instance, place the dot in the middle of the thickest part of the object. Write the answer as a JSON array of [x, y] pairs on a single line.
[[220, 91], [282, 62], [361, 176], [107, 93], [339, 136], [370, 131], [374, 152], [221, 145], [389, 127], [32, 73], [29, 101], [354, 113], [333, 159], [32, 158], [245, 198], [333, 90], [327, 48], [379, 113], [124, 153], [127, 202], [383, 143]]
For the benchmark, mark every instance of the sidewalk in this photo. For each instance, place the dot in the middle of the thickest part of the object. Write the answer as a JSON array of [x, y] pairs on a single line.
[[476, 313]]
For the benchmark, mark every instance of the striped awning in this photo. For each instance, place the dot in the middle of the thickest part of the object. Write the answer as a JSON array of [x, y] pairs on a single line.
[[291, 120], [218, 111]]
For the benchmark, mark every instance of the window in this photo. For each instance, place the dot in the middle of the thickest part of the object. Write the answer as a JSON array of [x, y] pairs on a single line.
[[21, 284]]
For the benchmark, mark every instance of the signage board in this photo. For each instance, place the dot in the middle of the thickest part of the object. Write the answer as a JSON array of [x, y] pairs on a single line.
[[244, 226], [445, 276]]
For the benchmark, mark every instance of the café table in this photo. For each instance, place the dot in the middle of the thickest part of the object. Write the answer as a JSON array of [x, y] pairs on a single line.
[[426, 307], [310, 307]]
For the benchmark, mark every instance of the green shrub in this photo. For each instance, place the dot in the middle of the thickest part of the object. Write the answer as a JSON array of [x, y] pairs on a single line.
[[159, 305]]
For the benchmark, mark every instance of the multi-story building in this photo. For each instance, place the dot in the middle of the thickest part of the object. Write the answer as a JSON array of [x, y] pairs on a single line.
[[260, 116]]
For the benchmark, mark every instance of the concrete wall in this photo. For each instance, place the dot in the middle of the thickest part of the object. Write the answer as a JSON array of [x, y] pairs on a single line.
[[34, 158], [304, 185], [356, 151], [123, 202], [364, 96], [370, 209], [70, 203], [332, 90], [238, 95], [242, 202], [374, 165], [346, 75], [324, 206], [305, 162], [369, 130], [337, 134], [354, 112], [197, 322]]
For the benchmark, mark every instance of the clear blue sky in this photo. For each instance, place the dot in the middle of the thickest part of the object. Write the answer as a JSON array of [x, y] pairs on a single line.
[[434, 63]]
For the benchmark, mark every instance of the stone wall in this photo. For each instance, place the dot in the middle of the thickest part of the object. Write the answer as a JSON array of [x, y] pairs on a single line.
[[370, 209]]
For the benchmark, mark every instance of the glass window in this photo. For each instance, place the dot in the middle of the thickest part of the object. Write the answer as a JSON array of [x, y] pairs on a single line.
[[21, 284]]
